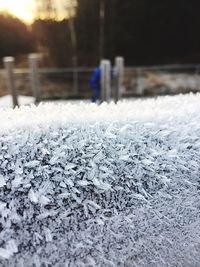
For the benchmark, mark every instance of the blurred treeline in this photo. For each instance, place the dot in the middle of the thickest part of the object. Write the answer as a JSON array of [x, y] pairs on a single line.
[[16, 39], [144, 32]]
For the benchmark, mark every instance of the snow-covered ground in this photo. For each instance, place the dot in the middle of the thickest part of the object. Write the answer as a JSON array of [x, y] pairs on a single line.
[[6, 101], [108, 185], [165, 83]]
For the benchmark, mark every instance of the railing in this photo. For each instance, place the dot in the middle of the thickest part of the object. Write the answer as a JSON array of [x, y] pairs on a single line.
[[41, 79], [68, 83]]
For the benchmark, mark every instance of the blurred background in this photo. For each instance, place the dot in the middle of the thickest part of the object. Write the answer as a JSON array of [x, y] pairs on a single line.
[[159, 41]]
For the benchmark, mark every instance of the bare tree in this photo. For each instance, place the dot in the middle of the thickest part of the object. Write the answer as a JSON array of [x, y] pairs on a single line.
[[53, 9], [70, 8], [102, 28], [46, 9]]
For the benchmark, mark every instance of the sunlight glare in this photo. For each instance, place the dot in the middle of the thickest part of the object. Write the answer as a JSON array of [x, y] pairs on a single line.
[[22, 9]]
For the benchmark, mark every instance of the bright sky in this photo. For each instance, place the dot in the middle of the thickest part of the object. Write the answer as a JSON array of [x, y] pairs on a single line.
[[23, 9]]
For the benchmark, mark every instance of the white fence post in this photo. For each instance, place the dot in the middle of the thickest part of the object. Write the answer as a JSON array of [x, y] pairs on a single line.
[[105, 80], [34, 76], [9, 68], [119, 77]]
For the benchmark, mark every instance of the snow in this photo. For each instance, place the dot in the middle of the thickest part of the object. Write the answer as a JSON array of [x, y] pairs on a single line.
[[171, 83], [6, 101], [108, 185]]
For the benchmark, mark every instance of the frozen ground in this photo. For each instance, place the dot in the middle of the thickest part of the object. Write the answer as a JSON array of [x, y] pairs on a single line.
[[165, 83], [6, 101], [109, 185]]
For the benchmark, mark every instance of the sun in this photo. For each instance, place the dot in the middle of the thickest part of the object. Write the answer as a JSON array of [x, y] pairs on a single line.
[[23, 9]]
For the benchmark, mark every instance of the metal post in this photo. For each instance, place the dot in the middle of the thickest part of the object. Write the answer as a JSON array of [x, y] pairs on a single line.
[[105, 80], [119, 77], [34, 76], [9, 68]]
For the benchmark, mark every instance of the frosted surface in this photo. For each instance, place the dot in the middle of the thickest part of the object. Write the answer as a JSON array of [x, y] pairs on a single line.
[[114, 185]]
